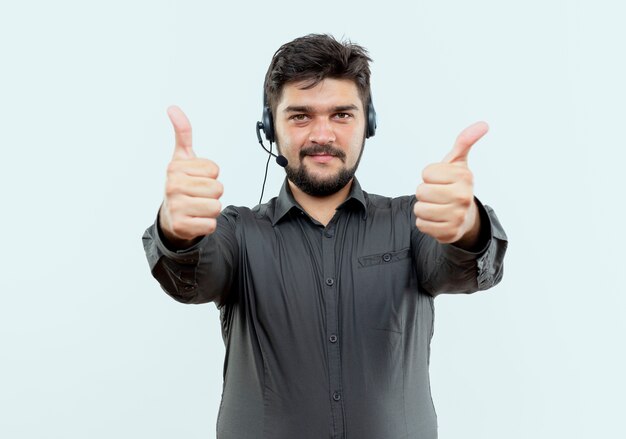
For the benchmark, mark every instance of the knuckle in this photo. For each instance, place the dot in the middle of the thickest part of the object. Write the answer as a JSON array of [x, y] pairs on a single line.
[[428, 171], [459, 218], [219, 189], [210, 167], [179, 228], [211, 226], [217, 207], [416, 208], [172, 167], [420, 224], [467, 175], [173, 205], [171, 188], [214, 207], [419, 192], [463, 199]]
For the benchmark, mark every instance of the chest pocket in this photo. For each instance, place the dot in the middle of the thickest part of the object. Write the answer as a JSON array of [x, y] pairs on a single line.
[[384, 258], [382, 282]]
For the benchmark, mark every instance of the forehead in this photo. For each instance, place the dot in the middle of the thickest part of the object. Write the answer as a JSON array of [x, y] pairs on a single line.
[[327, 93]]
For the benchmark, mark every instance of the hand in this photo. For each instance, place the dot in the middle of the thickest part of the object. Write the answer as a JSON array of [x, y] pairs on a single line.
[[190, 206], [446, 209]]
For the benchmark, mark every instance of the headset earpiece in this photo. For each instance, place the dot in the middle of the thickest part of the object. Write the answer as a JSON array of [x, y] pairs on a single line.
[[268, 123], [371, 120]]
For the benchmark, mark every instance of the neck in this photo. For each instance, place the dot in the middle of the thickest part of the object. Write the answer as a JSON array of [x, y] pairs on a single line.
[[321, 208]]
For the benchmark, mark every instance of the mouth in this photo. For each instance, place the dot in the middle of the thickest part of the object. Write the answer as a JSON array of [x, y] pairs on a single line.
[[322, 154], [321, 158]]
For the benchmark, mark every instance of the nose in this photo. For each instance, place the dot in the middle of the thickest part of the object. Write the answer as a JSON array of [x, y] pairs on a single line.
[[322, 132]]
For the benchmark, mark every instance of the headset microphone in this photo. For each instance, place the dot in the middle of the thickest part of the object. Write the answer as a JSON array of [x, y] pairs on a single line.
[[281, 160]]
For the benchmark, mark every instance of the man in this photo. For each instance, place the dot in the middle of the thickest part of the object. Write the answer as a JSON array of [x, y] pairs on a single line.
[[325, 292]]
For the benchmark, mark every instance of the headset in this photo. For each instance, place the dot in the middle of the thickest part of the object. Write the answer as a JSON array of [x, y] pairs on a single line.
[[266, 124]]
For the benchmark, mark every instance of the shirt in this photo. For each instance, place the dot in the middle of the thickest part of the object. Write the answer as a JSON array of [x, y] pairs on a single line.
[[327, 329]]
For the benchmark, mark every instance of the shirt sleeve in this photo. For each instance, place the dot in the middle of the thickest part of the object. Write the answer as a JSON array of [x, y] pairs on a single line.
[[447, 269], [201, 273]]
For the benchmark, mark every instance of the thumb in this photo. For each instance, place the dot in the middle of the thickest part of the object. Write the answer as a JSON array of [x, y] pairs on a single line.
[[465, 141], [182, 129]]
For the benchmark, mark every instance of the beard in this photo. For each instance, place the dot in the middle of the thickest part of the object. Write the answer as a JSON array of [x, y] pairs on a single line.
[[316, 187]]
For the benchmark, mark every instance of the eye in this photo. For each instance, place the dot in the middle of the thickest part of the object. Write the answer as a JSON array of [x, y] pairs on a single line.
[[343, 116], [298, 117]]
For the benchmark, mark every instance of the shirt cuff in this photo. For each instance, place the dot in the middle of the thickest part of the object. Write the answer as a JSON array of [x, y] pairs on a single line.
[[187, 256], [493, 240]]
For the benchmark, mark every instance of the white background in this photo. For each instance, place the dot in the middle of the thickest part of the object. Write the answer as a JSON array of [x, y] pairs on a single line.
[[90, 347]]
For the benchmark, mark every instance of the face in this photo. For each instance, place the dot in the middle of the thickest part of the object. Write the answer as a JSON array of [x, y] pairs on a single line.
[[321, 131]]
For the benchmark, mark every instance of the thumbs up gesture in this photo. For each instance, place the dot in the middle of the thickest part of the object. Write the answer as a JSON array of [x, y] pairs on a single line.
[[191, 203], [445, 207]]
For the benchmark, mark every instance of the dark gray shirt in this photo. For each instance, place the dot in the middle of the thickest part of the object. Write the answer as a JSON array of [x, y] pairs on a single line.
[[327, 329]]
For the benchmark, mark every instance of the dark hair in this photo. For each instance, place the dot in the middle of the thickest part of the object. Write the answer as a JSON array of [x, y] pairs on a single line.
[[313, 58]]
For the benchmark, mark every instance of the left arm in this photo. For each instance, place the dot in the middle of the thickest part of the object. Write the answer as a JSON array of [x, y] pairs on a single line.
[[462, 244]]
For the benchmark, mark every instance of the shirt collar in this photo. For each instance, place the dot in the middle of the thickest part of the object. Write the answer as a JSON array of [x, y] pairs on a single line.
[[285, 201]]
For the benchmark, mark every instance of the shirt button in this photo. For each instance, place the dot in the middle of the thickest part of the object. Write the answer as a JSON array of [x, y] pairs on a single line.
[[330, 281], [336, 396], [387, 257], [328, 233], [333, 338]]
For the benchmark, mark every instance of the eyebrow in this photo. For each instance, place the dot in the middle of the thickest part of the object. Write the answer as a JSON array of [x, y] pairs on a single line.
[[307, 109]]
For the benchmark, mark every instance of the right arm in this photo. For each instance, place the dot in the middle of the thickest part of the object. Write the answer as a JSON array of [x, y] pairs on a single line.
[[192, 262]]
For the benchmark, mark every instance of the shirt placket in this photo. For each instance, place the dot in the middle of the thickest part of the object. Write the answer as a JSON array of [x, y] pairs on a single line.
[[331, 302]]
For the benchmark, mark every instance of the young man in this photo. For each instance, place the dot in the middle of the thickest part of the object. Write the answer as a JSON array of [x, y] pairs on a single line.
[[325, 292]]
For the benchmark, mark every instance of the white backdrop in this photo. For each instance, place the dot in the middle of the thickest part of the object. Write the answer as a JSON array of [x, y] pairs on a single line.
[[90, 347]]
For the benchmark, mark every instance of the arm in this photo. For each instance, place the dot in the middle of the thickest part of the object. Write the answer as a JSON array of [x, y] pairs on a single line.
[[188, 253], [458, 244]]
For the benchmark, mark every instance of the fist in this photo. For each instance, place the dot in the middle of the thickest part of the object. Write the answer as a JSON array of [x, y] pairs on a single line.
[[191, 202], [445, 207]]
